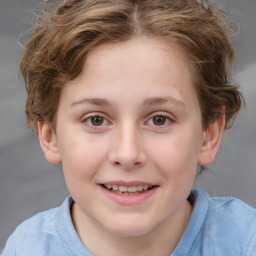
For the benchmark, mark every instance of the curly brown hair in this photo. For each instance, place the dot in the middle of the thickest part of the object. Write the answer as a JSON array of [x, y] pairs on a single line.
[[62, 38]]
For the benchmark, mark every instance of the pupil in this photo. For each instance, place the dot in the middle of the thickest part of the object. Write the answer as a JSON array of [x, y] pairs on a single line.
[[159, 120], [97, 120]]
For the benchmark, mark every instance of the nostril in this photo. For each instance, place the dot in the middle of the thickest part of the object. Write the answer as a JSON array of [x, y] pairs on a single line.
[[117, 163], [136, 164]]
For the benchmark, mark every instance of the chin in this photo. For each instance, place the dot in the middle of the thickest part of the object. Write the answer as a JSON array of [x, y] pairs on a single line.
[[132, 232], [129, 228]]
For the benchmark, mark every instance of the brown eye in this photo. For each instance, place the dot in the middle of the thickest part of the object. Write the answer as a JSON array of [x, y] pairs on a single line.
[[159, 120], [97, 120]]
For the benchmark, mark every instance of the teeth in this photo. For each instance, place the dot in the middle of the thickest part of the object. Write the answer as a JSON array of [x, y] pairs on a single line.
[[145, 187], [123, 188], [108, 186], [127, 190], [115, 187], [132, 189], [140, 188]]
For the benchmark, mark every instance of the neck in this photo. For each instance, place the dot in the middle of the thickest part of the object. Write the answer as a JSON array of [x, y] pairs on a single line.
[[161, 241]]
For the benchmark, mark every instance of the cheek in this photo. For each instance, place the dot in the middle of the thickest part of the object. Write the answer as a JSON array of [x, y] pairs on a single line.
[[177, 153], [176, 160], [81, 158]]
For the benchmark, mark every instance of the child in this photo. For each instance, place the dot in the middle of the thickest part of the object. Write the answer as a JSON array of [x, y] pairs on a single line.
[[130, 97]]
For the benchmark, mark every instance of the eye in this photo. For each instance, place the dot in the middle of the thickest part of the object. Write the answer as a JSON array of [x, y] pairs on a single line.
[[95, 121], [160, 120]]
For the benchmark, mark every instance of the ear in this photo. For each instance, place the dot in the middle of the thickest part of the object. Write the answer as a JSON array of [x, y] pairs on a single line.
[[211, 141], [48, 143]]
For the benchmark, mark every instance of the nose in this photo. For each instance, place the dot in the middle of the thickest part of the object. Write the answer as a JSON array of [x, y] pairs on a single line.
[[128, 150]]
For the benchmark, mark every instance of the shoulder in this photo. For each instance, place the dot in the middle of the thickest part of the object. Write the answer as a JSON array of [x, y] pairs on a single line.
[[40, 223], [233, 213], [231, 224], [229, 208], [37, 235]]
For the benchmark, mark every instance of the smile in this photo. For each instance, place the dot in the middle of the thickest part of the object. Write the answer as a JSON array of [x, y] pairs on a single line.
[[127, 190], [128, 193]]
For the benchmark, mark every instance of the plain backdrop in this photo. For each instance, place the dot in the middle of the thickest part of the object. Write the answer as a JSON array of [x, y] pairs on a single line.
[[28, 184]]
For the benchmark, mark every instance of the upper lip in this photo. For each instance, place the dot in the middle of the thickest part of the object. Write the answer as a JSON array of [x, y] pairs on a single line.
[[128, 183]]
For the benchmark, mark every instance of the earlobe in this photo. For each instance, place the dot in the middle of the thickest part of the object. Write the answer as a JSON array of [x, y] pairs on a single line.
[[48, 143], [211, 141]]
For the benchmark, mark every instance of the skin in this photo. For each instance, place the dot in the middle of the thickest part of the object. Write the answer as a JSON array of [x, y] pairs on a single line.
[[127, 84]]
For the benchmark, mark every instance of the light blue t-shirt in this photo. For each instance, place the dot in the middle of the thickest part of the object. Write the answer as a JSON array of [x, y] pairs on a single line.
[[217, 227]]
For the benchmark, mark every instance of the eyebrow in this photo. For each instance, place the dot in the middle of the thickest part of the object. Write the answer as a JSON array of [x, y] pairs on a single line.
[[162, 100], [147, 102], [92, 101]]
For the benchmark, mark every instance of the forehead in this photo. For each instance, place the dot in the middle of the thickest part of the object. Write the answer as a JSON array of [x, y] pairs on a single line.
[[150, 66], [149, 53]]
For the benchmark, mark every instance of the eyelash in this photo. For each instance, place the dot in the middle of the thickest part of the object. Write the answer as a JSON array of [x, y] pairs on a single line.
[[167, 118], [88, 121], [89, 118]]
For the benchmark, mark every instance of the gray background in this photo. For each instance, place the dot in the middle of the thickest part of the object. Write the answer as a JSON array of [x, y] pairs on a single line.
[[28, 184]]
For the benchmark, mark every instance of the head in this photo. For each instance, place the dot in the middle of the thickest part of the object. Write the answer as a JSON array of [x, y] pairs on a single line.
[[130, 93], [58, 49]]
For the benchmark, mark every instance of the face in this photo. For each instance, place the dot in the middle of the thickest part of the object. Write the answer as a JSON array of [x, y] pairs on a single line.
[[129, 135]]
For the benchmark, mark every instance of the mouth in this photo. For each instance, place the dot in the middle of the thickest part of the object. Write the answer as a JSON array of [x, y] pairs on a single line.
[[128, 193], [127, 190]]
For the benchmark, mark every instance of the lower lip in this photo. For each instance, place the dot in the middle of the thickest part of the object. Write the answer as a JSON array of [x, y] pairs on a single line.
[[128, 199]]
